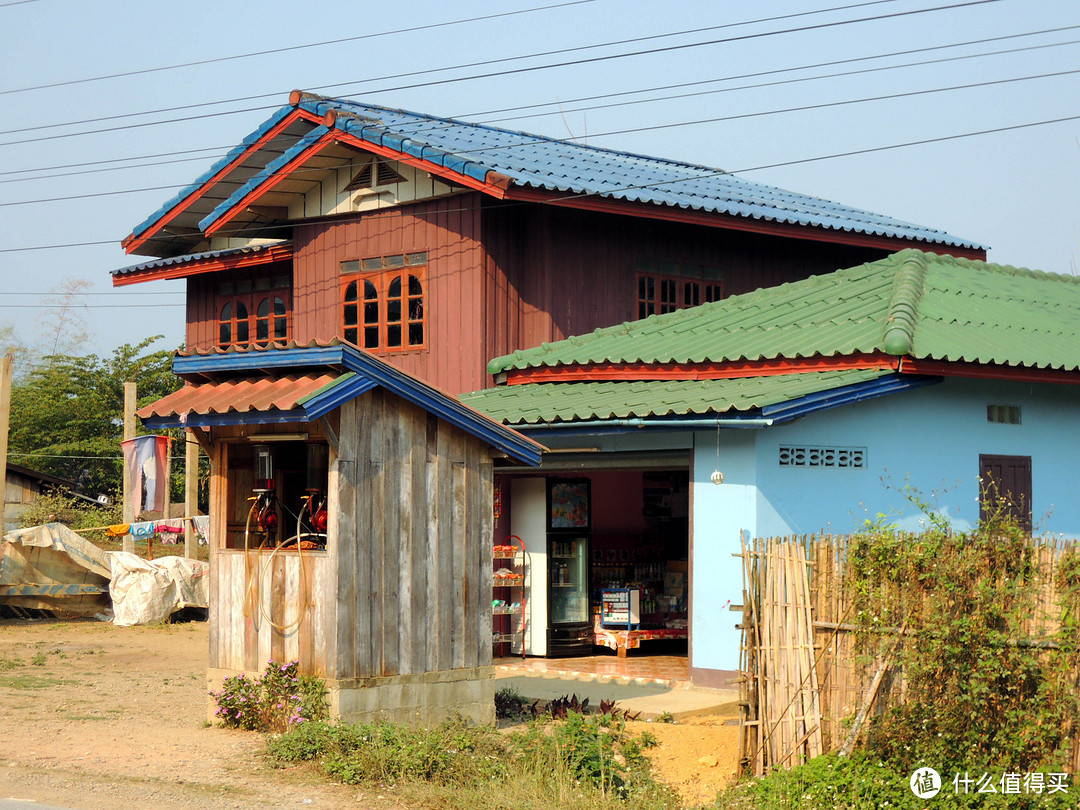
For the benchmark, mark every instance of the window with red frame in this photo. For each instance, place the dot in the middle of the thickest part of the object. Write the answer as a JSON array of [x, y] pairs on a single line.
[[686, 287], [382, 302], [253, 310]]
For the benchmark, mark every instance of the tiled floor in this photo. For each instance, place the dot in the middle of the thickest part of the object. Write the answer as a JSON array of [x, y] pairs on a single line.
[[670, 670]]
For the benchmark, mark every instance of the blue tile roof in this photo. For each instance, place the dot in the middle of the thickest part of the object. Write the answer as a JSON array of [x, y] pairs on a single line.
[[564, 166], [536, 162], [192, 257]]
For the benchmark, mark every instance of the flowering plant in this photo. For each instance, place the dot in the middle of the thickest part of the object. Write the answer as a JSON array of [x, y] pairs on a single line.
[[275, 701]]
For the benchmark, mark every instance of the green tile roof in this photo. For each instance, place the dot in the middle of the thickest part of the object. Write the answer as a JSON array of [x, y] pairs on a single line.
[[922, 305], [575, 401]]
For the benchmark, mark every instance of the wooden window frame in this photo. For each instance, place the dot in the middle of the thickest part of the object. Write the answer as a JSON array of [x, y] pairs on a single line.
[[249, 291], [369, 321], [1011, 496], [659, 294]]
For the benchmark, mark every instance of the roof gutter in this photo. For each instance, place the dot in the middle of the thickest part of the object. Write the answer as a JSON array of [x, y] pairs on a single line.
[[601, 426]]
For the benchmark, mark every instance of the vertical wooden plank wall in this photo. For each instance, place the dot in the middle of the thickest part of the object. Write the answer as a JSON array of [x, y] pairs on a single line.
[[447, 230], [414, 589]]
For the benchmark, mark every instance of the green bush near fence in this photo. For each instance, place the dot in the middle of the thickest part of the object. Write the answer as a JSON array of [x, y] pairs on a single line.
[[990, 663]]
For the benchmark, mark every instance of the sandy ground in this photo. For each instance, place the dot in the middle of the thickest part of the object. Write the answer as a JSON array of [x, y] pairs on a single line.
[[95, 716]]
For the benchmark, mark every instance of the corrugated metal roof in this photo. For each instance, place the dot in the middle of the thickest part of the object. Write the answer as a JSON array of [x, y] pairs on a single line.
[[915, 304], [538, 162], [195, 258], [243, 395], [535, 403], [566, 166], [300, 384]]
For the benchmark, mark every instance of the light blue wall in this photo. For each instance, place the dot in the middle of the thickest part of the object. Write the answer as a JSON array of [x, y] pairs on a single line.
[[930, 437]]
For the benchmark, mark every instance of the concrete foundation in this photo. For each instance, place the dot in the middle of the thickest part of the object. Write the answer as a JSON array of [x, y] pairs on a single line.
[[422, 700]]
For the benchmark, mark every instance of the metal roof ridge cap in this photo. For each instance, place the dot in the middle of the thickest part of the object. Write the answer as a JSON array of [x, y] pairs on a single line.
[[902, 315]]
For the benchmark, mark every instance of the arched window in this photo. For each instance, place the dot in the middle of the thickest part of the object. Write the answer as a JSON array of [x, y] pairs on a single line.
[[233, 325], [348, 312], [382, 302], [371, 315], [271, 321]]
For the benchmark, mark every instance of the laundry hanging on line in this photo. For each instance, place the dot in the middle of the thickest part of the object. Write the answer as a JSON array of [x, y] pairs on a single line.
[[145, 458]]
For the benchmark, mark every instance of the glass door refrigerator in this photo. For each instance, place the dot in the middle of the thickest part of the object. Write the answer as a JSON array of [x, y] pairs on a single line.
[[568, 532]]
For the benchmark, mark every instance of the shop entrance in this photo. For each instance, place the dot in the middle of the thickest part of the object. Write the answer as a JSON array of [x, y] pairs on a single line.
[[626, 552], [640, 552]]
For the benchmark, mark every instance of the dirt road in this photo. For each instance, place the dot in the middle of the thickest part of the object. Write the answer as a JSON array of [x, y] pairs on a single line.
[[95, 716]]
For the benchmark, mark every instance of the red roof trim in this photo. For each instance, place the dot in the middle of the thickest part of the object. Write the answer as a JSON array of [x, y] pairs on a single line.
[[946, 368], [270, 255], [271, 182], [697, 371], [718, 220], [496, 184], [131, 243]]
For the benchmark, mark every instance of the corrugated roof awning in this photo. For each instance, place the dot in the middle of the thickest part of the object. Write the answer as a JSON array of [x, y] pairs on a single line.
[[303, 383]]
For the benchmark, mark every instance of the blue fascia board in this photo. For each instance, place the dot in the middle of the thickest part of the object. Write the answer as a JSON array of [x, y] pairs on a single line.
[[308, 357], [262, 176], [441, 405], [370, 372], [230, 156], [347, 387], [847, 395], [223, 419]]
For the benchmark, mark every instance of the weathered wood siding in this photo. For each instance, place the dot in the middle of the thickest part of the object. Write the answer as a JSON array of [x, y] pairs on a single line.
[[414, 543], [404, 586]]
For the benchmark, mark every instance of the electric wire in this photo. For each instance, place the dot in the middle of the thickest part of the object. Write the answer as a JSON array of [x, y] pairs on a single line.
[[740, 171], [222, 150], [289, 48], [528, 141], [474, 77]]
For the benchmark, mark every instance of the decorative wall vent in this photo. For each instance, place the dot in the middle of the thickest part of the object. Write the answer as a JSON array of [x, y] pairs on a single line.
[[1003, 414], [852, 458], [374, 173]]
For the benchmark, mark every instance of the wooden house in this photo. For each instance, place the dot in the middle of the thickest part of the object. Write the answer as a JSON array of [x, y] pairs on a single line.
[[435, 245], [350, 528], [438, 244], [23, 486]]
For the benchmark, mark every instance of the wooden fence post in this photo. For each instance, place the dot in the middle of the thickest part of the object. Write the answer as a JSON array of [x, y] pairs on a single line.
[[129, 433]]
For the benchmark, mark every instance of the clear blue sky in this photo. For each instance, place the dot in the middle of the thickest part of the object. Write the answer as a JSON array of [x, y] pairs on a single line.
[[1016, 191]]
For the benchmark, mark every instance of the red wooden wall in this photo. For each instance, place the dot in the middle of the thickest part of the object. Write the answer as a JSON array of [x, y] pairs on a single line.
[[507, 276]]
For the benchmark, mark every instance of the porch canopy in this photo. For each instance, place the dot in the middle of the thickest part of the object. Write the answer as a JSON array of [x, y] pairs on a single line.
[[297, 384]]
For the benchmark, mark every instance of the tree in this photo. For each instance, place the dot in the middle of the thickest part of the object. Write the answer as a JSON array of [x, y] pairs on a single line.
[[67, 412]]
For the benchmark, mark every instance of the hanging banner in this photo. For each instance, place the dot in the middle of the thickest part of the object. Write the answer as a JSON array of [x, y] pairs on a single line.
[[145, 458]]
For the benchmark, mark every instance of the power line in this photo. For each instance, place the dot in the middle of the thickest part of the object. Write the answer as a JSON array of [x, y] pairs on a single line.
[[485, 63], [289, 48], [91, 306], [743, 170], [650, 128], [223, 149]]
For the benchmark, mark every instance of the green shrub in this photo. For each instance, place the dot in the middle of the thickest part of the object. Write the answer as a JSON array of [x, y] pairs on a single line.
[[579, 763], [276, 701]]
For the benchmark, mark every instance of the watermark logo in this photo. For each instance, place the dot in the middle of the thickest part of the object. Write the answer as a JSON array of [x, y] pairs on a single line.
[[926, 783]]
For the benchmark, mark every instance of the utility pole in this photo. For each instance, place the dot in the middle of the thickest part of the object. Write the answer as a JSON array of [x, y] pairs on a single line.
[[191, 490], [6, 364], [129, 433]]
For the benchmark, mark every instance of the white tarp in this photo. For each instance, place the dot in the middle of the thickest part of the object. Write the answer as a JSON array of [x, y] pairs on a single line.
[[149, 591]]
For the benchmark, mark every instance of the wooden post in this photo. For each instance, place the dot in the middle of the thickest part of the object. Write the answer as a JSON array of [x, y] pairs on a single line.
[[191, 491], [129, 433], [6, 364]]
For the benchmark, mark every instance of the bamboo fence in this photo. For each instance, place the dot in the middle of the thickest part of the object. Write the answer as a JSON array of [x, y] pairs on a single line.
[[804, 688]]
